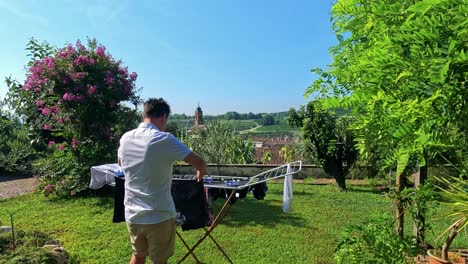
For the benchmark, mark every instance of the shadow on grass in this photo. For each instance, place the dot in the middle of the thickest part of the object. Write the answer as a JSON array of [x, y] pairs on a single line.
[[249, 211], [367, 189], [104, 197], [307, 194], [98, 200]]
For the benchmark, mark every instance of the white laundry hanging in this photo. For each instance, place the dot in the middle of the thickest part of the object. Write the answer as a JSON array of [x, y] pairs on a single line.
[[288, 190]]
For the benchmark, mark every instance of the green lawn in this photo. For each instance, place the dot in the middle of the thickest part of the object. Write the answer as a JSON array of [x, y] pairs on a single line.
[[253, 231]]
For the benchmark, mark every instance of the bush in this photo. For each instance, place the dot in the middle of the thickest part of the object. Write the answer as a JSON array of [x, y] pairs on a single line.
[[374, 242], [28, 255], [73, 101], [16, 152], [26, 249]]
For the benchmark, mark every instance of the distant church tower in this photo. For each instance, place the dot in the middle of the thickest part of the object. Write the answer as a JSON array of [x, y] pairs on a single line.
[[199, 124], [198, 116]]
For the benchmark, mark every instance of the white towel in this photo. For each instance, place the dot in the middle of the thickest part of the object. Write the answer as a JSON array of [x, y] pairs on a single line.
[[287, 191]]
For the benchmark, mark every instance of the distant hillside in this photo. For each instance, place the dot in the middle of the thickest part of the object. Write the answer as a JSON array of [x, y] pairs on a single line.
[[261, 125]]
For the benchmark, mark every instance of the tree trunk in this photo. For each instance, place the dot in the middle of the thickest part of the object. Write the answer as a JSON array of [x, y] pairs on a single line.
[[450, 238], [390, 180], [400, 213], [338, 174], [419, 220]]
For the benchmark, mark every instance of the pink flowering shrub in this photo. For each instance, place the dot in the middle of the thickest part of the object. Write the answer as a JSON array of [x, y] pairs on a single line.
[[72, 99]]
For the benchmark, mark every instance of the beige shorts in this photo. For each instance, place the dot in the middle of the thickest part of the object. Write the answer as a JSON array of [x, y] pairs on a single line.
[[153, 240]]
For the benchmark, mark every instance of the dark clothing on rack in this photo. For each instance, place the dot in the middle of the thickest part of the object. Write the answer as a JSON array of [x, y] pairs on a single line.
[[215, 193], [259, 190], [119, 194], [189, 200]]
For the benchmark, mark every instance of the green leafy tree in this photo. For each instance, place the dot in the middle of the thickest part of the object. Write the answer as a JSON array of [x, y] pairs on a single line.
[[173, 128], [330, 139], [401, 67], [268, 120], [16, 152], [219, 145], [232, 115], [287, 153], [266, 157], [399, 73]]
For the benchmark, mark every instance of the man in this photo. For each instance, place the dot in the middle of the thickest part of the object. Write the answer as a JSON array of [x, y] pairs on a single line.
[[146, 155]]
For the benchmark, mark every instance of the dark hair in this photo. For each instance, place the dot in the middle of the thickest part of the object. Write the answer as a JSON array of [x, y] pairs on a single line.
[[156, 108]]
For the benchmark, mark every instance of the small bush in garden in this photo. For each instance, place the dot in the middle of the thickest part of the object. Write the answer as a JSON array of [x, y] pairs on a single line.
[[16, 152], [27, 247], [4, 243], [374, 242], [28, 255], [73, 100]]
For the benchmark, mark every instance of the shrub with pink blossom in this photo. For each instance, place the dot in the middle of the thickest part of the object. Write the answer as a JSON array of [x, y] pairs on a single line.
[[73, 99]]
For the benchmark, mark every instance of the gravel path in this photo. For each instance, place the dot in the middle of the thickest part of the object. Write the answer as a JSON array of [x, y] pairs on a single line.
[[11, 186]]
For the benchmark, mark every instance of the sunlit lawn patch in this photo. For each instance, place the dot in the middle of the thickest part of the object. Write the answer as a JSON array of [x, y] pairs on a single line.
[[252, 232]]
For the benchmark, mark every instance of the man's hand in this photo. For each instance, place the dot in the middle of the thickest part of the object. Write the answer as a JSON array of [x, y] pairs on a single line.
[[200, 175], [198, 163]]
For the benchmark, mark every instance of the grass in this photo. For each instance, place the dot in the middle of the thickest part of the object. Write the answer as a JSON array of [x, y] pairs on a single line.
[[281, 126], [280, 129], [253, 231], [239, 125]]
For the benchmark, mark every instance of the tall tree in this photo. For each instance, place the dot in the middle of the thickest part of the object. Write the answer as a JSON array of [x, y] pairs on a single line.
[[268, 120], [219, 145], [401, 66], [330, 139]]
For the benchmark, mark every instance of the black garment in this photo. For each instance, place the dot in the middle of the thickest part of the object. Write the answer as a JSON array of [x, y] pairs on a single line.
[[242, 193], [119, 193], [259, 190], [215, 193], [189, 199]]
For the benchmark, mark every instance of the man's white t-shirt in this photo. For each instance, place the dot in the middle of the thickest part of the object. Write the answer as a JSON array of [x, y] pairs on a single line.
[[147, 156]]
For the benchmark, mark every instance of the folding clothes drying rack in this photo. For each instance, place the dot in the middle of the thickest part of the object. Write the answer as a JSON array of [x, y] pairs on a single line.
[[235, 184]]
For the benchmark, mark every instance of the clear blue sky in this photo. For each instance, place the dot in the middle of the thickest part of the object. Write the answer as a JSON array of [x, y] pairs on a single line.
[[243, 55]]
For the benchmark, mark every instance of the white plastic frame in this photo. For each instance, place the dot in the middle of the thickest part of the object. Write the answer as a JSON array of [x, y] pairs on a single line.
[[275, 173]]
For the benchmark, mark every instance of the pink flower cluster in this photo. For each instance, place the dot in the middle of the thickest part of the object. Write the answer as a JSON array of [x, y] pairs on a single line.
[[133, 76], [65, 53], [47, 110], [101, 51], [37, 77], [109, 78], [49, 62], [92, 89], [84, 60], [75, 143], [72, 97], [73, 83], [48, 189]]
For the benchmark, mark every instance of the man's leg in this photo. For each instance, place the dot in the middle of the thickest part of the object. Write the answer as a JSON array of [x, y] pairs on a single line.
[[137, 260], [161, 241], [139, 243]]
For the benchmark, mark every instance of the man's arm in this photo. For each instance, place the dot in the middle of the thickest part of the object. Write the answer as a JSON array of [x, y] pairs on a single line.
[[198, 163]]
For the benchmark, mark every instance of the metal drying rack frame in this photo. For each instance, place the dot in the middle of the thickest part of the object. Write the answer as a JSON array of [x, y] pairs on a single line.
[[219, 183]]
